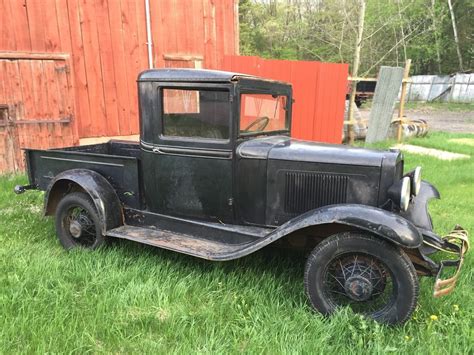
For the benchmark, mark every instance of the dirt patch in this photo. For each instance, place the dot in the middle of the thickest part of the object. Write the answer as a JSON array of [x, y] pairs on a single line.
[[438, 120]]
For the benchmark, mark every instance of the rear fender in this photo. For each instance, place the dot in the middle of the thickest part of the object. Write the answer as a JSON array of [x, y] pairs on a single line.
[[384, 224], [96, 186]]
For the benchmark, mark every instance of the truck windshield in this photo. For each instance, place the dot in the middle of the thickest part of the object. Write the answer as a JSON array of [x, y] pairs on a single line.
[[262, 113]]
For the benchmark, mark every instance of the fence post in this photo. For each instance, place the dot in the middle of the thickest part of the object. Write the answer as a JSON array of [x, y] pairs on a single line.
[[406, 74]]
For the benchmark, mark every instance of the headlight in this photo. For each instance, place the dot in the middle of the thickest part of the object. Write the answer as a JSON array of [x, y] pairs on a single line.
[[405, 193], [416, 181], [400, 192]]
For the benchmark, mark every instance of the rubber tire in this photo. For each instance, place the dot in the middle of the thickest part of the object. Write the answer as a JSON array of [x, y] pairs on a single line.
[[402, 271], [83, 200]]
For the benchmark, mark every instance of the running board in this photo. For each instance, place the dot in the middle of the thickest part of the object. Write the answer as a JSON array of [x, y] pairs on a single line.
[[182, 243]]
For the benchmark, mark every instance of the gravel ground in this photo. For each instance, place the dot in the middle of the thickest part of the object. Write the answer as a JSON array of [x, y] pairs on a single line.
[[438, 120]]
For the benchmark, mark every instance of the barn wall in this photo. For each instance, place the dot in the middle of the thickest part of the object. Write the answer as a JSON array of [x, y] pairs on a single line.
[[106, 41]]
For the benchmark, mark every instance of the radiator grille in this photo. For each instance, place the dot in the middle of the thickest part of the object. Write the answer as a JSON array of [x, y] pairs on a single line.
[[306, 191]]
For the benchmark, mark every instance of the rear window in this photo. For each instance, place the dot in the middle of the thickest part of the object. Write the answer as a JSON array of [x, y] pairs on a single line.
[[196, 113]]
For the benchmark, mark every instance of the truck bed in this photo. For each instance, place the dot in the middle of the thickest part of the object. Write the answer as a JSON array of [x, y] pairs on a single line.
[[117, 161]]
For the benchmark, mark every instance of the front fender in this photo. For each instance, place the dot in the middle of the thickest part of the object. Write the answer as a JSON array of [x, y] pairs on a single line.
[[385, 224], [99, 189], [417, 213]]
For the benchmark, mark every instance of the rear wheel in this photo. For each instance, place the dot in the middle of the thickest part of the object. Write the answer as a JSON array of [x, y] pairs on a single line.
[[370, 275], [77, 222]]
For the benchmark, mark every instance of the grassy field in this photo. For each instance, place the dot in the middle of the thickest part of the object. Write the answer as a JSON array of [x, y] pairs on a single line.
[[134, 298], [431, 106], [443, 106]]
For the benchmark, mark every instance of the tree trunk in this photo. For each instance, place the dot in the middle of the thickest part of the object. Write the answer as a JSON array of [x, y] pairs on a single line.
[[355, 69], [435, 30], [455, 30]]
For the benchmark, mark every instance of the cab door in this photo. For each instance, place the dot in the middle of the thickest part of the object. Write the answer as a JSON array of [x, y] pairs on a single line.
[[188, 164]]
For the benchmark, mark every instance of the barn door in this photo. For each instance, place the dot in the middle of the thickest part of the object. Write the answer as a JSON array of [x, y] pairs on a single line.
[[36, 106]]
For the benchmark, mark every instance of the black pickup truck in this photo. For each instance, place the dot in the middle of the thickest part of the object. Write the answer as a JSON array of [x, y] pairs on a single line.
[[217, 176]]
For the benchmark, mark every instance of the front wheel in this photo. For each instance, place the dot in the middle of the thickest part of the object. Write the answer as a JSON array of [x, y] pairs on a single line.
[[77, 222], [368, 274]]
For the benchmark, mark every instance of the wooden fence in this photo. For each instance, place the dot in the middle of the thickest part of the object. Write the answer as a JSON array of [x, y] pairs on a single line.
[[319, 90]]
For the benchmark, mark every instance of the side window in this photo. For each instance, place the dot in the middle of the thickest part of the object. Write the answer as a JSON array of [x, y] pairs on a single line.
[[196, 113]]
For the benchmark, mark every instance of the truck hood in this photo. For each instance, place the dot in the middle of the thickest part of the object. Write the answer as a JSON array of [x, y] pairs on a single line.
[[286, 148]]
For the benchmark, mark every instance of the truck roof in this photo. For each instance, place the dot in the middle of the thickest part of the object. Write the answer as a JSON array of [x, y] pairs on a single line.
[[196, 75]]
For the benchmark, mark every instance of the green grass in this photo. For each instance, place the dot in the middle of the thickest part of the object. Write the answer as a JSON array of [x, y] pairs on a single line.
[[134, 298], [431, 106], [440, 106]]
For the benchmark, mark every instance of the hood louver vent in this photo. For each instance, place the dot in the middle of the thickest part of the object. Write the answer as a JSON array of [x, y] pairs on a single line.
[[306, 191]]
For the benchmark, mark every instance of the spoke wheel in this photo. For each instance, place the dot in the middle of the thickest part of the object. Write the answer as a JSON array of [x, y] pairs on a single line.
[[359, 281], [77, 222], [371, 276]]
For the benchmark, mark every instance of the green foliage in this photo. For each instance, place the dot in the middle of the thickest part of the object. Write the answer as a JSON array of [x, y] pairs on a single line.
[[131, 298], [326, 30]]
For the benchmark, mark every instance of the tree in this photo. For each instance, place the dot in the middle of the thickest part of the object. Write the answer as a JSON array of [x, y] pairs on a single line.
[[326, 30]]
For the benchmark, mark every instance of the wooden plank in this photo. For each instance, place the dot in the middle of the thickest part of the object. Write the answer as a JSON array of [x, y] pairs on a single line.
[[51, 27], [26, 80], [3, 83], [64, 30], [209, 34], [4, 156], [19, 25], [168, 18], [16, 112], [7, 149], [65, 78], [7, 30], [120, 68], [228, 27], [32, 137], [82, 104], [41, 121], [383, 104], [194, 18], [236, 28], [33, 55], [184, 57], [36, 25], [107, 65], [141, 34], [96, 125], [14, 96], [216, 31], [157, 23], [26, 75], [182, 25], [132, 62], [55, 106]]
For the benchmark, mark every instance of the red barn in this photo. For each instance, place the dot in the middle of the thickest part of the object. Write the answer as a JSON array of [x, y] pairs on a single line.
[[68, 67]]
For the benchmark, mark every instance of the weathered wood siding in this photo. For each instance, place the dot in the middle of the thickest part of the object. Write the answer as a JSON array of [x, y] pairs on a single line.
[[106, 40]]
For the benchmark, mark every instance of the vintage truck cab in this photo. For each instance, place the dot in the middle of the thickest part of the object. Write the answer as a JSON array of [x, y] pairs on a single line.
[[216, 175]]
